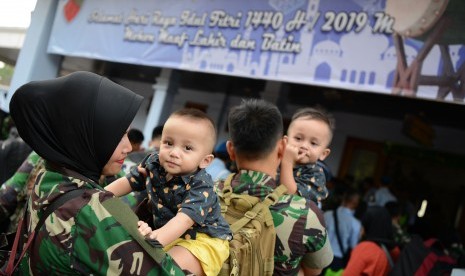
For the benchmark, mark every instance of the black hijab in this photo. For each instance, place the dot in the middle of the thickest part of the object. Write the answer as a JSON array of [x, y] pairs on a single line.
[[75, 121], [378, 226]]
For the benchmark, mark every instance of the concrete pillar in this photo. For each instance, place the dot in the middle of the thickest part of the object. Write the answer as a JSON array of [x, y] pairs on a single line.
[[276, 92], [165, 90], [272, 91], [34, 63]]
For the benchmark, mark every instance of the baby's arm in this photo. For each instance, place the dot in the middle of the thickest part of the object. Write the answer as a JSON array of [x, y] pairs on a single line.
[[171, 230], [119, 187], [291, 155]]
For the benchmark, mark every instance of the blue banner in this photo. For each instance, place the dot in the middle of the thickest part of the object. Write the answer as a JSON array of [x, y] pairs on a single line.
[[384, 46]]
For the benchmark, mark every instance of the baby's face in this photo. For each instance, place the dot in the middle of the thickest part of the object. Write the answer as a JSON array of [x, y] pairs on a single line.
[[185, 145], [311, 137]]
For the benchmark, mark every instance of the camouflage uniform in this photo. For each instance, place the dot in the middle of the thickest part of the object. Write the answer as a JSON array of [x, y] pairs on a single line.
[[311, 182], [15, 191], [81, 237], [301, 236]]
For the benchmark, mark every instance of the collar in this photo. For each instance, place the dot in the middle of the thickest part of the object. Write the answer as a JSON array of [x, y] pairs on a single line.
[[304, 166], [347, 210], [254, 183]]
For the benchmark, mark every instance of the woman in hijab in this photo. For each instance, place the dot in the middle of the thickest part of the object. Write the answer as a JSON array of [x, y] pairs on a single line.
[[78, 124], [377, 252]]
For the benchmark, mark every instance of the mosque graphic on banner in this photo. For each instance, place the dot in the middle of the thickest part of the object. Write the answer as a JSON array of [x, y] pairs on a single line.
[[321, 58]]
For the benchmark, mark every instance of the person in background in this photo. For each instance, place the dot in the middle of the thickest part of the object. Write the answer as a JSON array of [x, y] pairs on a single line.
[[135, 198], [78, 124], [154, 144], [136, 137], [384, 194], [16, 190], [256, 144], [218, 169], [377, 252], [401, 237], [308, 138], [349, 229], [186, 210], [6, 124], [13, 151]]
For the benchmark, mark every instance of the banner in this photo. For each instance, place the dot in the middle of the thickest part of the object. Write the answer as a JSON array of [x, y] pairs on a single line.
[[404, 47]]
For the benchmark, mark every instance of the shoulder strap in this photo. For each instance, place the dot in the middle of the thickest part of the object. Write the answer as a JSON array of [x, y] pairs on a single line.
[[388, 255], [227, 190], [11, 267], [57, 203], [269, 200], [338, 235], [126, 217]]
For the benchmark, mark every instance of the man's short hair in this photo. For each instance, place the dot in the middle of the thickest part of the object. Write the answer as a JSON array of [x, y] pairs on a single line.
[[394, 208], [316, 113], [157, 131], [255, 126], [350, 195], [135, 136]]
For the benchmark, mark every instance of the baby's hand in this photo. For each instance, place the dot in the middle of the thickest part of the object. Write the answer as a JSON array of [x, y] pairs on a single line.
[[142, 170], [144, 228], [291, 153]]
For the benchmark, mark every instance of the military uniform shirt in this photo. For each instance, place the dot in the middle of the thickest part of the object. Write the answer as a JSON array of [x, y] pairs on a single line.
[[14, 192], [192, 195], [301, 236], [82, 238]]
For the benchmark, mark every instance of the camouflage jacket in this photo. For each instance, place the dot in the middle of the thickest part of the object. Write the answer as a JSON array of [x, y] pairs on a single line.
[[301, 236], [14, 191], [82, 237]]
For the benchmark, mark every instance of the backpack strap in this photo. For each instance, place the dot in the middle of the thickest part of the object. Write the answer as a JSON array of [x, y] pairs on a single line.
[[257, 208], [128, 220], [226, 193], [338, 234], [388, 255], [60, 200], [126, 217]]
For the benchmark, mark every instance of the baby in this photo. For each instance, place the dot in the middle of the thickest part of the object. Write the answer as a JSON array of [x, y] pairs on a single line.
[[186, 211], [308, 138]]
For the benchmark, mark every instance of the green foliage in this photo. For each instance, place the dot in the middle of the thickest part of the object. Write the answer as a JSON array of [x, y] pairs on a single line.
[[6, 73]]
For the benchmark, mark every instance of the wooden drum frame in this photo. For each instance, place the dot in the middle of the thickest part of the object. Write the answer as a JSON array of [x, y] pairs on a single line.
[[436, 22]]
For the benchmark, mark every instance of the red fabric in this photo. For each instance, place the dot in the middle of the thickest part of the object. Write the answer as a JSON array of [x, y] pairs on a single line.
[[430, 262], [367, 258], [427, 264]]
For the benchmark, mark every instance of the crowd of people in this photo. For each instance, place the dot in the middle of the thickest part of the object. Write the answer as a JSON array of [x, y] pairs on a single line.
[[372, 232], [77, 134]]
